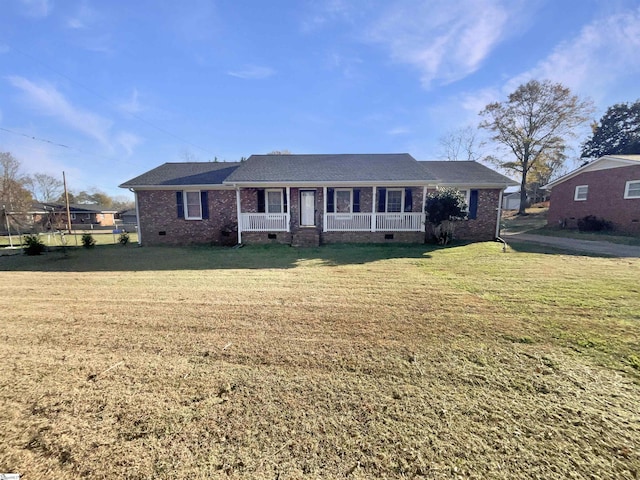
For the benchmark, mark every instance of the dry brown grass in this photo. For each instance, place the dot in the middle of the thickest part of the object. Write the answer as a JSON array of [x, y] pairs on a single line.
[[399, 363]]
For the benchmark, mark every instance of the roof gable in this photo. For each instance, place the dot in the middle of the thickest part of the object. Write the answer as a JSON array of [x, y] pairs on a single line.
[[607, 162], [366, 168], [184, 174]]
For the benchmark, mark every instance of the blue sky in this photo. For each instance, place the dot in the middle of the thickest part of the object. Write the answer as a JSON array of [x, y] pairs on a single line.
[[106, 90]]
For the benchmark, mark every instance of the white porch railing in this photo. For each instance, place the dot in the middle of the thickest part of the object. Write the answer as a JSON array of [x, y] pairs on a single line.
[[264, 222], [399, 222], [348, 222], [384, 222]]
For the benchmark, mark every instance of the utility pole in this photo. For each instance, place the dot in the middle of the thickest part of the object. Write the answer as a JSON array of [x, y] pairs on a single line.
[[6, 217], [66, 201]]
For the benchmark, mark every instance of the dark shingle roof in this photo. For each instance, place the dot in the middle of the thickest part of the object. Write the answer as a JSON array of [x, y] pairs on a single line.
[[77, 207], [393, 167], [186, 173], [464, 173]]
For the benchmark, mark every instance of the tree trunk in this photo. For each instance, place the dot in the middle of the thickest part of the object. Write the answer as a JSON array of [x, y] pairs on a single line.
[[523, 195]]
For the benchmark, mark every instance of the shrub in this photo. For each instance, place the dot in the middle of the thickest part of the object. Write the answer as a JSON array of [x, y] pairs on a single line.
[[123, 239], [88, 241], [443, 208], [591, 223], [33, 245]]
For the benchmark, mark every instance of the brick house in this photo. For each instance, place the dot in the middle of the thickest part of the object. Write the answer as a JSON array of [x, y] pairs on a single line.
[[608, 188], [54, 215], [306, 200]]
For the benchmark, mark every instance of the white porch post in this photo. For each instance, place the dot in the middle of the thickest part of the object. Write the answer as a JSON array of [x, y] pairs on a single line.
[[288, 209], [424, 200], [239, 210], [373, 209], [324, 211]]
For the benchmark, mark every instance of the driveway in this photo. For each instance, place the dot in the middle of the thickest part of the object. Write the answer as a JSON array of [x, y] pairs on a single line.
[[585, 246]]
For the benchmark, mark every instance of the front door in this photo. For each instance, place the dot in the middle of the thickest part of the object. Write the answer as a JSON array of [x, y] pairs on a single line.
[[307, 208]]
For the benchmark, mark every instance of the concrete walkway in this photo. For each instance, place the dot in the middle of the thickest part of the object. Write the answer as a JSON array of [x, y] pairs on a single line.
[[587, 246]]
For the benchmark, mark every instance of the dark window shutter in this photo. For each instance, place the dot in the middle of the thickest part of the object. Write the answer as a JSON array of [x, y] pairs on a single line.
[[204, 201], [408, 200], [180, 204], [285, 200], [331, 207], [473, 204], [261, 208], [356, 200], [382, 199]]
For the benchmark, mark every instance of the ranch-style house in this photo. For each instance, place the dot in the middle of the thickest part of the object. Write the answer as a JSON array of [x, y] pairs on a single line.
[[309, 200]]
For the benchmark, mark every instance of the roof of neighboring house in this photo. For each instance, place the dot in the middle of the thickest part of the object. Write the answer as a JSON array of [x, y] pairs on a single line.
[[464, 173], [603, 163], [339, 168], [78, 207], [184, 174]]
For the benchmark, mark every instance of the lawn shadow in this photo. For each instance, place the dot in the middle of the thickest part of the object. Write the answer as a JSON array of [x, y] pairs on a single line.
[[132, 258]]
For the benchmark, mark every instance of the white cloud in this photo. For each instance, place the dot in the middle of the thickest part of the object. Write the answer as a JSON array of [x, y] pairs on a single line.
[[47, 100], [444, 40], [252, 72], [83, 18], [37, 8], [602, 56], [128, 141], [132, 105], [399, 131]]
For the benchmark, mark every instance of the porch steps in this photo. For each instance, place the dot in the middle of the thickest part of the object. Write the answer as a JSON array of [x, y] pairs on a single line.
[[306, 238]]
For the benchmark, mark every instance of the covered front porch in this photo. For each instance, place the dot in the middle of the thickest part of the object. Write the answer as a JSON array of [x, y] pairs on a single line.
[[326, 209]]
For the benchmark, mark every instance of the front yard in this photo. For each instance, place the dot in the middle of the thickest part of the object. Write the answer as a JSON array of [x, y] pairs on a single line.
[[341, 361]]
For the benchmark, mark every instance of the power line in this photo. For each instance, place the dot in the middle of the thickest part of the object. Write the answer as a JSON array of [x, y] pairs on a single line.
[[30, 137], [107, 101]]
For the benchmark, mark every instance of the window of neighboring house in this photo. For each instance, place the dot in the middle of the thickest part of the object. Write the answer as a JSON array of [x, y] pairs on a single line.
[[73, 216], [581, 192], [395, 200], [274, 201], [193, 205], [343, 200], [632, 189]]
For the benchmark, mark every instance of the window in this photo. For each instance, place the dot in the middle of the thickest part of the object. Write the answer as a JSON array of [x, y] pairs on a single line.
[[343, 201], [465, 195], [632, 189], [581, 193], [192, 205], [274, 201], [395, 200]]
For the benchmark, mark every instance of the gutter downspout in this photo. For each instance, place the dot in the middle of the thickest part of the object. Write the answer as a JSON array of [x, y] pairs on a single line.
[[499, 214], [239, 213]]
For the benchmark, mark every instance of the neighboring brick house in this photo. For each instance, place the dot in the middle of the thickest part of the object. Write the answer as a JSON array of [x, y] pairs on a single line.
[[306, 200], [607, 188], [82, 215]]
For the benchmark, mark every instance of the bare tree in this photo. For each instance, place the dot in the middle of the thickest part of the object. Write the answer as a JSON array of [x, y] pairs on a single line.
[[45, 188], [533, 125], [279, 152], [13, 194], [460, 144]]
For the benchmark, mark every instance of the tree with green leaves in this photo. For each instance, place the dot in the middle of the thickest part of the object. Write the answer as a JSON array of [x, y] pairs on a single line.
[[617, 133], [443, 208], [533, 124]]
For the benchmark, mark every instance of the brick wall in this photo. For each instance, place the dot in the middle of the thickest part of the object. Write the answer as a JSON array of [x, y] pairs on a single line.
[[160, 225], [372, 237], [605, 199], [483, 227]]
